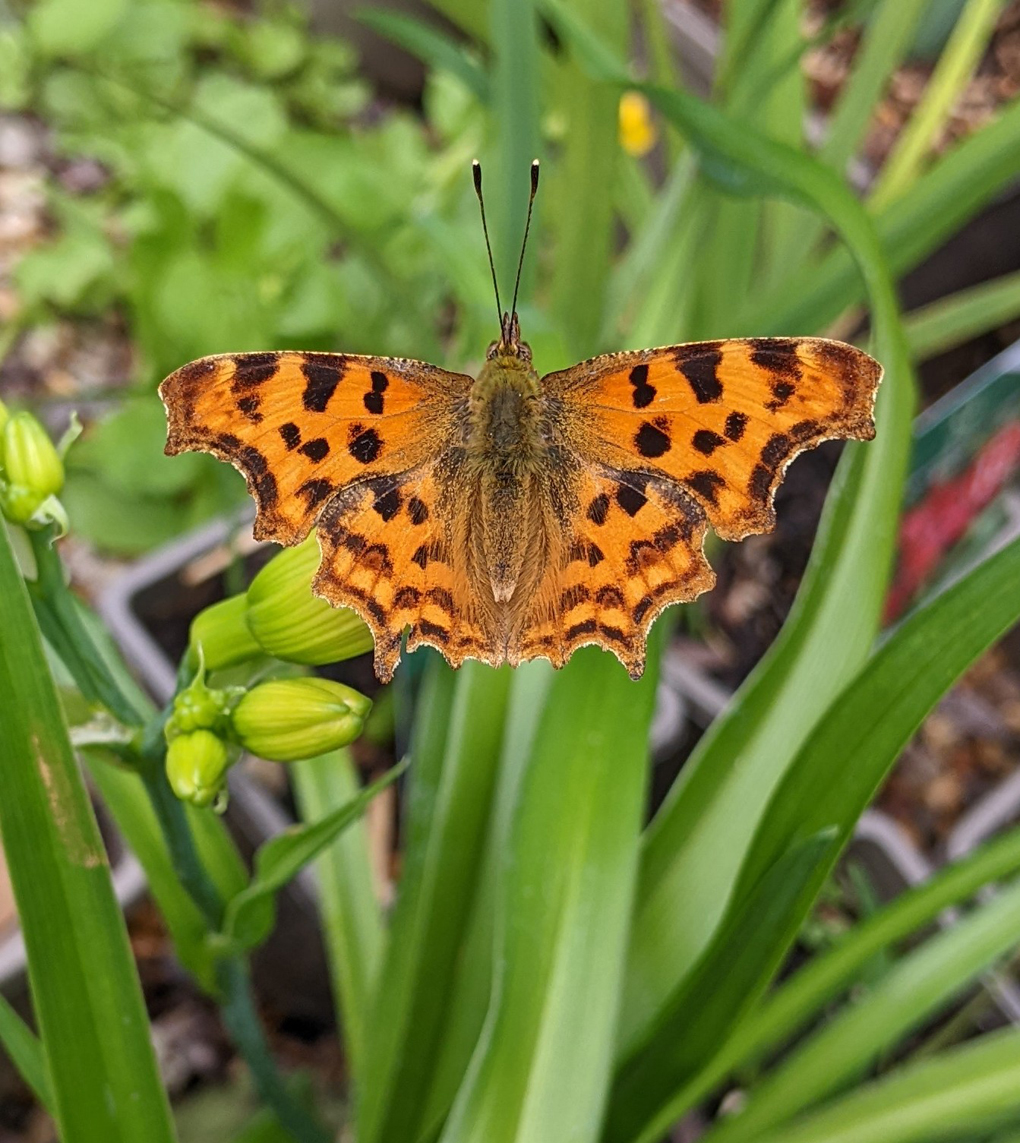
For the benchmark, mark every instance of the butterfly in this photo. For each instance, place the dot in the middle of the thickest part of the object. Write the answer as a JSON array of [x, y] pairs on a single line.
[[511, 516]]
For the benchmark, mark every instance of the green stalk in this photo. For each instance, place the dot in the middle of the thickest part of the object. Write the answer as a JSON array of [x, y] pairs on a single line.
[[954, 319], [962, 54]]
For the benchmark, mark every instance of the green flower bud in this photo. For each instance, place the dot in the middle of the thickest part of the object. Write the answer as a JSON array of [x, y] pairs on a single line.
[[292, 623], [196, 766], [220, 636], [30, 457], [199, 708], [288, 719]]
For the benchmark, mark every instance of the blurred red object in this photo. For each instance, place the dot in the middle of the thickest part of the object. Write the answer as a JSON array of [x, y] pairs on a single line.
[[941, 519]]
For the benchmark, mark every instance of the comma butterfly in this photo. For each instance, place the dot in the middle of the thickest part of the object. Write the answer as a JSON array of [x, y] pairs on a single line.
[[509, 516]]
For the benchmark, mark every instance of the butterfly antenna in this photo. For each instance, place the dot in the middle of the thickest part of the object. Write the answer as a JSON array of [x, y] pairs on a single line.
[[476, 171], [527, 227]]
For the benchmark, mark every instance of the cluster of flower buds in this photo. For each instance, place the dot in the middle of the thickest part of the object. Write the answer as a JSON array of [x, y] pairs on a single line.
[[31, 471], [278, 615], [282, 720]]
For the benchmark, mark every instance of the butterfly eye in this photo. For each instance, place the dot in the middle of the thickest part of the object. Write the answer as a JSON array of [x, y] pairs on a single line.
[[490, 353]]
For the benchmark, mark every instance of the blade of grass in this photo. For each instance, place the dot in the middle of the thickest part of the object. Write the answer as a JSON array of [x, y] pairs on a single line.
[[539, 1072], [952, 320], [887, 37], [26, 1052], [351, 916], [85, 990], [945, 197], [920, 985], [430, 45], [250, 914], [822, 979], [515, 90], [469, 996], [947, 1096], [967, 44], [456, 759], [834, 774], [582, 209]]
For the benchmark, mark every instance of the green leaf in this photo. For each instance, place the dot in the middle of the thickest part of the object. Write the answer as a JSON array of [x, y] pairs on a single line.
[[697, 842], [952, 191], [250, 914], [456, 750], [919, 986], [726, 981], [430, 46], [580, 207], [515, 109], [87, 999], [802, 997], [26, 1053], [351, 915], [840, 766], [540, 1068], [958, 317], [67, 27], [950, 1095], [967, 44]]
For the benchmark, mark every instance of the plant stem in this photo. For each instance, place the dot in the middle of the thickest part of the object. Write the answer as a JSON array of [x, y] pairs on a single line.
[[243, 1023], [236, 1003]]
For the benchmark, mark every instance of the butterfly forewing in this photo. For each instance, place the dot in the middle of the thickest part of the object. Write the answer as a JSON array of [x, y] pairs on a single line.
[[724, 418], [302, 426]]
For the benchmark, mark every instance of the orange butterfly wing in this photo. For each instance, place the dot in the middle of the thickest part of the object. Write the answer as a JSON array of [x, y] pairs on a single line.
[[635, 548], [724, 418], [669, 439], [338, 437]]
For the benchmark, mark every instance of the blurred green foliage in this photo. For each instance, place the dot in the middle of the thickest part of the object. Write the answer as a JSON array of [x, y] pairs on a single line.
[[255, 197]]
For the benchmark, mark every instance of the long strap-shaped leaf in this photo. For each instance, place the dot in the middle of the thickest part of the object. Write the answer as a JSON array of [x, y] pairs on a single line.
[[835, 774], [85, 991]]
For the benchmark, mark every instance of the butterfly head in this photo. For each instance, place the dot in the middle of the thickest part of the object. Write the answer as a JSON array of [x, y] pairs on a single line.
[[509, 344]]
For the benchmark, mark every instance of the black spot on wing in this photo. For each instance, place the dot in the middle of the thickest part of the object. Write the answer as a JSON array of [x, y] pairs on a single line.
[[700, 364], [317, 449], [610, 597], [417, 510], [365, 444], [387, 501], [778, 355], [322, 372], [707, 484], [598, 509], [736, 423], [651, 440], [630, 497], [251, 369], [314, 492], [706, 441], [373, 399], [291, 435], [644, 394], [249, 406], [588, 627]]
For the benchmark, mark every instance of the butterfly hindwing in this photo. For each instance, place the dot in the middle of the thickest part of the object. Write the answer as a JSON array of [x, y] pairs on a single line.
[[302, 426], [724, 418], [387, 553], [635, 547]]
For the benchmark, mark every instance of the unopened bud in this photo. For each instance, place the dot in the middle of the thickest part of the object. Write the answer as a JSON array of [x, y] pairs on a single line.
[[199, 707], [285, 720], [291, 623], [32, 470], [220, 636], [196, 766]]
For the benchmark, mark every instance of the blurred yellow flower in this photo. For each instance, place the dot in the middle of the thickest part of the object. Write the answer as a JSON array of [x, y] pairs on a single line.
[[637, 129]]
